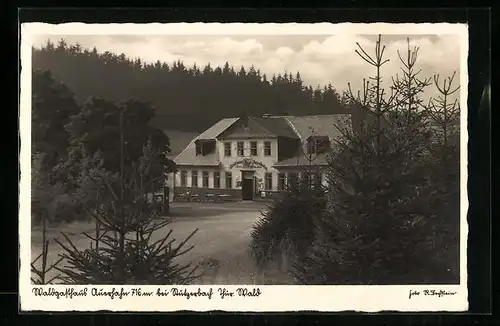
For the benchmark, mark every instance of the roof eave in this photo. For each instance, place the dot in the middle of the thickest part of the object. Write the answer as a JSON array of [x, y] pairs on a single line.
[[298, 165], [198, 164]]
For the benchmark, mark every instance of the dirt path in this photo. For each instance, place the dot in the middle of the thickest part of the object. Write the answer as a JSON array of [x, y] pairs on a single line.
[[223, 236]]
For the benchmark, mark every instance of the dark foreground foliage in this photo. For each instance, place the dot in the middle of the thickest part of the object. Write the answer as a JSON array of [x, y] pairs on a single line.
[[65, 134], [124, 249], [286, 228], [389, 224], [393, 201], [139, 261]]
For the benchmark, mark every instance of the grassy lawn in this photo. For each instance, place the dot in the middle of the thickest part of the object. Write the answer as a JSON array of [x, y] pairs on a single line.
[[220, 244]]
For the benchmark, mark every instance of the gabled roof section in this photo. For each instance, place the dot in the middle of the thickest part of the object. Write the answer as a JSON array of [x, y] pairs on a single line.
[[259, 127], [302, 160], [218, 128], [318, 125], [278, 126], [246, 128], [188, 155], [178, 141], [314, 125]]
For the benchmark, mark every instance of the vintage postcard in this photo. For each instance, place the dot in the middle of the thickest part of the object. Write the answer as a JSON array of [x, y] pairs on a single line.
[[243, 167]]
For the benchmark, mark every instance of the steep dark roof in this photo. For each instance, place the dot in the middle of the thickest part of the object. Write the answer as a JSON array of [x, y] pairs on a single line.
[[247, 128], [277, 126], [318, 125], [314, 125], [188, 155], [178, 141], [296, 127], [217, 129], [303, 160]]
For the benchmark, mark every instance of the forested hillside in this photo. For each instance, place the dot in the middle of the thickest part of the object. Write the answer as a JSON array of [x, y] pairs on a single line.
[[184, 98]]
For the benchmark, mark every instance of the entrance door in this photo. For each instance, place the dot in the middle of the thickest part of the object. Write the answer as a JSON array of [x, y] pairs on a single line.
[[247, 186]]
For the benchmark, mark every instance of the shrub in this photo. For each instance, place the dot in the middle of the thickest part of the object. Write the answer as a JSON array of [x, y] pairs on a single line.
[[51, 201], [285, 230], [57, 208]]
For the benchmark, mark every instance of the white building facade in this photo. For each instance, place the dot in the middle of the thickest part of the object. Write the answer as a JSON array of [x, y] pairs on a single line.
[[252, 157]]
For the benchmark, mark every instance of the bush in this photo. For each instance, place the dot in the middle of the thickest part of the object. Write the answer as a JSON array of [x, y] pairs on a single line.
[[286, 229], [51, 201], [67, 209], [56, 208]]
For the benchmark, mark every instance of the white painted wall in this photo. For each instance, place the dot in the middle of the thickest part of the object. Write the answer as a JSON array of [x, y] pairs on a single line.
[[227, 161], [268, 161]]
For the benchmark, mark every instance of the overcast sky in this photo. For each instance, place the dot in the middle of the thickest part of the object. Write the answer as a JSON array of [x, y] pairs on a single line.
[[321, 59]]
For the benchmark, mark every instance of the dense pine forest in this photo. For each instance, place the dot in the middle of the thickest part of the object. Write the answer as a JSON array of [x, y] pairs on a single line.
[[183, 96]]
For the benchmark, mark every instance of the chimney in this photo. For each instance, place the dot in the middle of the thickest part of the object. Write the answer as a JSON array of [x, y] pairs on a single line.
[[244, 118]]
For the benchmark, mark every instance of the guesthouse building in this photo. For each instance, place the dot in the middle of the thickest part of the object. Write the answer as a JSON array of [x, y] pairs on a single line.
[[246, 158]]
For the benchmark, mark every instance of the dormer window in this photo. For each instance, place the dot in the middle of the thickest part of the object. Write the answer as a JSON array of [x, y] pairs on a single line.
[[318, 144], [199, 148], [204, 146]]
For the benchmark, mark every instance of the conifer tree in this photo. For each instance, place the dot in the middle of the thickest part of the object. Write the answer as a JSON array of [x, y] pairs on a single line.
[[444, 172], [443, 110], [124, 249], [43, 210], [179, 93], [53, 104], [285, 231], [378, 222]]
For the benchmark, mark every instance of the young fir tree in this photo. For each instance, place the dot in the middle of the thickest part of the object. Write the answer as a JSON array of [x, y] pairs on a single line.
[[43, 208], [408, 111], [124, 248], [285, 231], [378, 222], [444, 172]]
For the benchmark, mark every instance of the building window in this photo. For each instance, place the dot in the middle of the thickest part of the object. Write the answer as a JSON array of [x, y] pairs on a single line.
[[216, 179], [317, 145], [199, 148], [229, 180], [292, 179], [253, 148], [183, 178], [316, 179], [319, 179], [194, 178], [305, 178], [311, 147], [240, 148], [313, 180], [281, 181], [268, 181], [227, 149], [205, 179], [267, 148]]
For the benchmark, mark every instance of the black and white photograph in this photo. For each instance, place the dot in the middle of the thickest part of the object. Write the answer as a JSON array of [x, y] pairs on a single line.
[[231, 167]]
